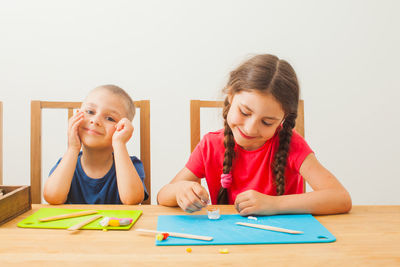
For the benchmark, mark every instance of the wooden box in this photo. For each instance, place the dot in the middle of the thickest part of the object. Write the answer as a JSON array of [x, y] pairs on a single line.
[[14, 201]]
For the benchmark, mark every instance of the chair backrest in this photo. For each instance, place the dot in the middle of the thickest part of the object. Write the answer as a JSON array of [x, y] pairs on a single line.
[[196, 105], [36, 143], [1, 143]]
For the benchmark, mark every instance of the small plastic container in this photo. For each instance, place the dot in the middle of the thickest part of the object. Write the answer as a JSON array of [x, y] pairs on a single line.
[[213, 213]]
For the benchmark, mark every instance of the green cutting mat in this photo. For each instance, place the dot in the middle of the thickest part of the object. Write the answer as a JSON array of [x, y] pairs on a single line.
[[33, 220]]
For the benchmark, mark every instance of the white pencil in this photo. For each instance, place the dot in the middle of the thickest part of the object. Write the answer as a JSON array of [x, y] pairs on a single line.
[[271, 228], [200, 237]]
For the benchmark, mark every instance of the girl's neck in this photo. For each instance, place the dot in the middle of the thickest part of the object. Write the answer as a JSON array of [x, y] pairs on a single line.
[[96, 162]]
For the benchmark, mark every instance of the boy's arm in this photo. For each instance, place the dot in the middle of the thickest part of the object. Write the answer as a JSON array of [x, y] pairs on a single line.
[[130, 186], [59, 182]]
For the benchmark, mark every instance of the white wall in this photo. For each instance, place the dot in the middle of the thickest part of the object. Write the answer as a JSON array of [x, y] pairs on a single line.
[[346, 54]]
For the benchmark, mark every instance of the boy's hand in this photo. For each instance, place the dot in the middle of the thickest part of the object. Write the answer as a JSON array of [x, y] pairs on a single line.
[[123, 132], [74, 141], [192, 196], [251, 202]]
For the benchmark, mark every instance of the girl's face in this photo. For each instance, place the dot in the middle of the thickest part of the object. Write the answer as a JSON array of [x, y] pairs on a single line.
[[253, 118], [102, 111]]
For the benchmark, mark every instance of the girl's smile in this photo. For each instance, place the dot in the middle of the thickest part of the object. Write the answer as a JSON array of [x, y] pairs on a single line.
[[244, 135]]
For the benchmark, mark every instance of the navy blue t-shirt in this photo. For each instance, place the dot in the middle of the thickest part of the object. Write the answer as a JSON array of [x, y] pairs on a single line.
[[86, 190]]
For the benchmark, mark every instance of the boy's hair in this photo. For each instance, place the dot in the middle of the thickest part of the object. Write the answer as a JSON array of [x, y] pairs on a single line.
[[130, 105], [269, 75]]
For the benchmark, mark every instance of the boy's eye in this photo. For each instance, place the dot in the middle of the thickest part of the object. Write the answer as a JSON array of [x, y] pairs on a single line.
[[110, 119], [88, 111]]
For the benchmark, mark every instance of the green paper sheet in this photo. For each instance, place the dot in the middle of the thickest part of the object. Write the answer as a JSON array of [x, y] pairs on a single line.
[[33, 220]]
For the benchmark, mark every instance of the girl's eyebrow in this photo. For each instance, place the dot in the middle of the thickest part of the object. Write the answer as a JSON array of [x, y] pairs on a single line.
[[265, 117]]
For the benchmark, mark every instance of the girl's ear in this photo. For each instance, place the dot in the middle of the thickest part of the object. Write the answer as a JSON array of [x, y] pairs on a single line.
[[228, 91], [230, 98]]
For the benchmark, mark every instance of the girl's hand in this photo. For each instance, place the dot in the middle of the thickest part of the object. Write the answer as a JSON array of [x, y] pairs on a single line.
[[191, 196], [74, 141], [123, 132], [251, 202]]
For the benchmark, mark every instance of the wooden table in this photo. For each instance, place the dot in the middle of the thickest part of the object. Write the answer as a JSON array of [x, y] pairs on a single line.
[[368, 235]]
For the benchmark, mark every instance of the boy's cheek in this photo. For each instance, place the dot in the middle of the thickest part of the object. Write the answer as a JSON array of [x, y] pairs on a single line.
[[112, 130], [80, 130], [84, 119]]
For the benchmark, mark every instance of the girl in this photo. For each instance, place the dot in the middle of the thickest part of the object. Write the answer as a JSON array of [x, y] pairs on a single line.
[[257, 162]]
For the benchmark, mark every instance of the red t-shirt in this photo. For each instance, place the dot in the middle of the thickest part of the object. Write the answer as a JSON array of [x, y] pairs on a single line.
[[250, 169]]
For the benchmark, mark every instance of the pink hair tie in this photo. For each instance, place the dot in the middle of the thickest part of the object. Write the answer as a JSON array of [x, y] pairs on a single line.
[[226, 180]]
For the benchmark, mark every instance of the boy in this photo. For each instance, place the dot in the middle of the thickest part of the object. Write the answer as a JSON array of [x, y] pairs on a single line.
[[103, 172]]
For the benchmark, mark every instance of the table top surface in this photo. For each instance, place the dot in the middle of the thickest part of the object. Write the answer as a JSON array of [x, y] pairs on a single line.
[[368, 235]]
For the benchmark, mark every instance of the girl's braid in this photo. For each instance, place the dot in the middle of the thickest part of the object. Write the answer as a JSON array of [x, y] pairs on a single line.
[[279, 165], [229, 143]]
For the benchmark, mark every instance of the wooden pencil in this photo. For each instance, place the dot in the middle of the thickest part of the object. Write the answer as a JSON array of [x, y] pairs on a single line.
[[270, 228], [69, 215], [81, 224]]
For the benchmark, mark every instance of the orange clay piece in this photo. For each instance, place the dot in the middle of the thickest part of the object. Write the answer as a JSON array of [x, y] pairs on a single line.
[[113, 223], [188, 250]]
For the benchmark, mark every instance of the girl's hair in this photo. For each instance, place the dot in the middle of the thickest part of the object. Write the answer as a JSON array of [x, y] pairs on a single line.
[[269, 75], [130, 105]]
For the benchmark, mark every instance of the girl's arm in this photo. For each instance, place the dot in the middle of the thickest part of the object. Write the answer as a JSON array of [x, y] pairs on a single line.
[[59, 182], [328, 197], [184, 190], [130, 186]]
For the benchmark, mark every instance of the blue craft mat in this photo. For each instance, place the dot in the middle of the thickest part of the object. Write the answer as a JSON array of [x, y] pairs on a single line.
[[226, 232]]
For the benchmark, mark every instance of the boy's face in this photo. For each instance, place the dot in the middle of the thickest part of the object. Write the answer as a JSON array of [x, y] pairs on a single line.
[[253, 118], [102, 111]]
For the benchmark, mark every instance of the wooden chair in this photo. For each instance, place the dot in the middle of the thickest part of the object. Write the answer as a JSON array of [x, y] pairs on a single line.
[[36, 143], [1, 143], [196, 105]]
